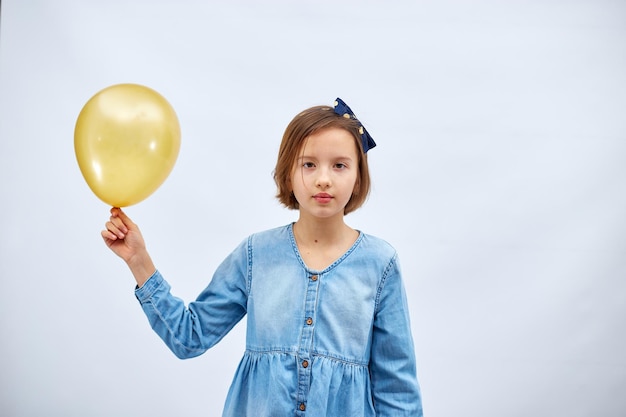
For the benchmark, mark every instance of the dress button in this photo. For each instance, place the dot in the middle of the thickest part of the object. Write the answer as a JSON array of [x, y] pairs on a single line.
[[309, 321], [302, 407], [314, 278], [305, 364]]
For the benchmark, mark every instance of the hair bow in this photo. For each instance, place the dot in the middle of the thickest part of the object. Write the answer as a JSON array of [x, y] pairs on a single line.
[[342, 109]]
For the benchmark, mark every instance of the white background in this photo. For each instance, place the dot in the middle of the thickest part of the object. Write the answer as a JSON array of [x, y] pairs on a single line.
[[499, 176]]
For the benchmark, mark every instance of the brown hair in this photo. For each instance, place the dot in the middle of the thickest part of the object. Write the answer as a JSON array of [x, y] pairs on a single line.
[[302, 126]]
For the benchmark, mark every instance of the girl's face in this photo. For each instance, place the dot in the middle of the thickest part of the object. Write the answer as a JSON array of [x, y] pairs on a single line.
[[325, 173]]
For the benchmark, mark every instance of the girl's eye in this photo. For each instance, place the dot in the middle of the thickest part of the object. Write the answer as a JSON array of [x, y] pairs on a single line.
[[340, 165], [308, 165]]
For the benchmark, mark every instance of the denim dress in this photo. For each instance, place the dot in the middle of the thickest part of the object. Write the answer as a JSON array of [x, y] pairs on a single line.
[[335, 342]]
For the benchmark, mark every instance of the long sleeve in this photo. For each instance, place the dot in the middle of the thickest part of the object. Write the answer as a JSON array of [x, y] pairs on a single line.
[[190, 331], [395, 388]]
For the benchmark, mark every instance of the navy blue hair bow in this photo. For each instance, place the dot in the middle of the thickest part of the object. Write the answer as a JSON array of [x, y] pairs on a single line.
[[342, 109]]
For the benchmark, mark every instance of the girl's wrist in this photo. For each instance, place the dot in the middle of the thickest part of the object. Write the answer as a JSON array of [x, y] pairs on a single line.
[[142, 267]]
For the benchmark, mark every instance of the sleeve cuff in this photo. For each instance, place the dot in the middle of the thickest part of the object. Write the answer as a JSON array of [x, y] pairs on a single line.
[[149, 287]]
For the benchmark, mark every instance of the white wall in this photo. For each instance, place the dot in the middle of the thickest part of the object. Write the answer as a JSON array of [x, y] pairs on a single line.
[[499, 177]]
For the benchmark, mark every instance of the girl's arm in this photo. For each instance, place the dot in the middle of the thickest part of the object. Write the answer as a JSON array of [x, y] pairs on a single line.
[[191, 330], [395, 388], [187, 330]]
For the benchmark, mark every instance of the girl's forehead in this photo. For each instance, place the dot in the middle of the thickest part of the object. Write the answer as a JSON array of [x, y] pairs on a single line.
[[328, 141]]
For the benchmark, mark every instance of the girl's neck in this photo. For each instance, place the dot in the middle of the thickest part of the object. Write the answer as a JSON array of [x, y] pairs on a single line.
[[322, 241], [322, 232]]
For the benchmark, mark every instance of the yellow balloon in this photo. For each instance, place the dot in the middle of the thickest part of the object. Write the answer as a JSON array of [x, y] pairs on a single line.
[[127, 139]]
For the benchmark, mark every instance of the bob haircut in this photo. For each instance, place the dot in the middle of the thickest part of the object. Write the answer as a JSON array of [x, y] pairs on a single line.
[[306, 123]]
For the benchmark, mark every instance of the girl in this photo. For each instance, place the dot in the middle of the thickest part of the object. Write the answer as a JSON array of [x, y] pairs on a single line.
[[328, 329]]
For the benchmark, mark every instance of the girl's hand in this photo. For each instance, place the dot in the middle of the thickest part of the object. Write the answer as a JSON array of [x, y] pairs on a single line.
[[123, 237]]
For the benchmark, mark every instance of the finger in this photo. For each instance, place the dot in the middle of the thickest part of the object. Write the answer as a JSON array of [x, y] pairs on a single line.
[[116, 227], [119, 213], [119, 223], [108, 235]]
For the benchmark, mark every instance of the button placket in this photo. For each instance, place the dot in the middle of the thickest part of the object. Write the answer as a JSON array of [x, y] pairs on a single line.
[[306, 340]]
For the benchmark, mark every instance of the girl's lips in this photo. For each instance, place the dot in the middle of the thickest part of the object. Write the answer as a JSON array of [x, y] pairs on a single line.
[[323, 198]]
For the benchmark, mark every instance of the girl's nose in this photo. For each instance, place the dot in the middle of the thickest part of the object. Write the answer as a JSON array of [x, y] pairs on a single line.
[[323, 179]]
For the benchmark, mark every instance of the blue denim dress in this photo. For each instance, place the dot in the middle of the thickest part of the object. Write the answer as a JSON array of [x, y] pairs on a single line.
[[335, 342]]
